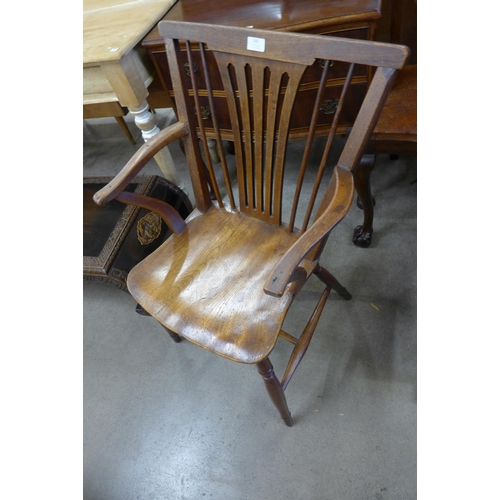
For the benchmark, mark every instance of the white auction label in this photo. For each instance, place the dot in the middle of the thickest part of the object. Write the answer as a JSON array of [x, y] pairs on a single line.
[[256, 44]]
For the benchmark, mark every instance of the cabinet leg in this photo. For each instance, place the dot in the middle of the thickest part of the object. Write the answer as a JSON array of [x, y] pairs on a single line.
[[362, 236]]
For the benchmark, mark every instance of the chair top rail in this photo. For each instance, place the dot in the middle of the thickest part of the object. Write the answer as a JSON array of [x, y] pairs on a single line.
[[288, 47]]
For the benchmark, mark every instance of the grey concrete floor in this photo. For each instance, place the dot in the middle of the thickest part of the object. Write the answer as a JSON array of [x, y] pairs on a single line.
[[171, 421]]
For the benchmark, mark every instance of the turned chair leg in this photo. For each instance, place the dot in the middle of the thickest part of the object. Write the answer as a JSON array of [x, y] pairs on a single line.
[[362, 236], [275, 390]]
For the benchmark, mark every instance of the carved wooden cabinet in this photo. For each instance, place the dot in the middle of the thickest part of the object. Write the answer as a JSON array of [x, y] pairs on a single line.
[[355, 19]]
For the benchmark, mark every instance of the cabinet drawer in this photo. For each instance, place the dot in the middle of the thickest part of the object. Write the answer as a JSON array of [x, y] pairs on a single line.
[[302, 111]]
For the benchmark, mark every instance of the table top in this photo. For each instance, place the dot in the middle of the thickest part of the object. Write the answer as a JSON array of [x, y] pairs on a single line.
[[111, 28]]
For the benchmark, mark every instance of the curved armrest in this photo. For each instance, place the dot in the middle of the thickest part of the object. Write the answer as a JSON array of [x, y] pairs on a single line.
[[139, 160], [285, 270]]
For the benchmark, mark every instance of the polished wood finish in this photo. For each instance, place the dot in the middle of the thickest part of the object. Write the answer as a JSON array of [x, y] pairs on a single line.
[[290, 15], [227, 280]]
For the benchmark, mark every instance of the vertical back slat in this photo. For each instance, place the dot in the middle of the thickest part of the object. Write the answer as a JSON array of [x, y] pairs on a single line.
[[258, 120], [201, 126], [198, 179], [295, 75], [307, 149], [328, 146], [272, 109], [215, 122], [244, 107], [225, 63], [261, 110]]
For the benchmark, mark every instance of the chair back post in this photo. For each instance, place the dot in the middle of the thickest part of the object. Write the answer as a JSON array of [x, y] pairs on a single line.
[[191, 146], [367, 118]]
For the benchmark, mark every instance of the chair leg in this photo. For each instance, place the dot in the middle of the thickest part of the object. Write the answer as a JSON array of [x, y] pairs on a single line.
[[362, 236], [176, 338], [140, 310], [329, 280], [275, 390]]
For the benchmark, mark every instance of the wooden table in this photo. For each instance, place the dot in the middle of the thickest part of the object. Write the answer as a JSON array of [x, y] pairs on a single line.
[[116, 68], [353, 19]]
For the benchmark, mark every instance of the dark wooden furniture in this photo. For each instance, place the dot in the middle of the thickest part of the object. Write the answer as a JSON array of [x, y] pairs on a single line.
[[395, 133], [399, 25], [396, 130], [326, 17], [227, 277], [116, 237]]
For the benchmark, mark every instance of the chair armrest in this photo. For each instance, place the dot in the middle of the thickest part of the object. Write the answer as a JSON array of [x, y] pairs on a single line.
[[286, 270], [115, 188], [139, 160]]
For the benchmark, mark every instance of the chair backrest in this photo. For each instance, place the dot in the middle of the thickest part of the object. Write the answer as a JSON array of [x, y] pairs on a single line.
[[256, 80]]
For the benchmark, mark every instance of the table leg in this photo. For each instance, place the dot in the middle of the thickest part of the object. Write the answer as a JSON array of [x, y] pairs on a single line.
[[127, 78]]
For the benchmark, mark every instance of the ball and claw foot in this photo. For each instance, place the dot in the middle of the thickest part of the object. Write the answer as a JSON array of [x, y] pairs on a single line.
[[362, 239]]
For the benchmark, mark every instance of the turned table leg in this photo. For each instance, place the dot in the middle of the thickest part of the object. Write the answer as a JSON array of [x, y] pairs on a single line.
[[146, 122], [126, 77]]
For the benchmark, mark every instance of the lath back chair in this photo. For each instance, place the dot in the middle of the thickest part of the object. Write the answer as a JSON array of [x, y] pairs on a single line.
[[227, 277]]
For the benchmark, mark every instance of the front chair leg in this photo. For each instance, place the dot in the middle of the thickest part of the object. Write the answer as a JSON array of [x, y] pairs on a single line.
[[275, 390]]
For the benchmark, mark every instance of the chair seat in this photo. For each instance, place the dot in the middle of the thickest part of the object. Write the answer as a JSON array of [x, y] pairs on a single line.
[[217, 303]]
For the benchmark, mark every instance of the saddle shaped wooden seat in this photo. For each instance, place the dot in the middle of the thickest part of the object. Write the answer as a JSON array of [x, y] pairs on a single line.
[[227, 277]]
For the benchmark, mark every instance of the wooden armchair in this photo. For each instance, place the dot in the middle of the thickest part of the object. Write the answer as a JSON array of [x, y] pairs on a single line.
[[227, 277]]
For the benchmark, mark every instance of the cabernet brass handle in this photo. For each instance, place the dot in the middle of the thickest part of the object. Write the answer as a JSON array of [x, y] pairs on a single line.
[[322, 63], [329, 107], [187, 69], [205, 112]]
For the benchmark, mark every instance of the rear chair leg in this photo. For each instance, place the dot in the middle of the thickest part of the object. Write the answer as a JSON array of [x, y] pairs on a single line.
[[140, 310], [275, 390], [329, 280], [176, 338]]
